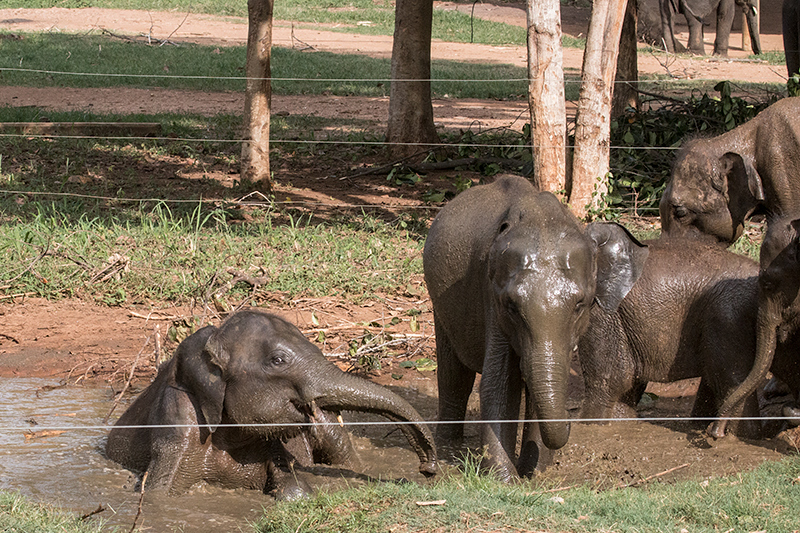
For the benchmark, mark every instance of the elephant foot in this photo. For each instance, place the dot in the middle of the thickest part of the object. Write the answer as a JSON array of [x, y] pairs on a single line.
[[721, 52], [792, 412], [534, 457], [288, 486]]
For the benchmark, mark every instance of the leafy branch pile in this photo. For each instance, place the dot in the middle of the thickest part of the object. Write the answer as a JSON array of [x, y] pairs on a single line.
[[644, 143]]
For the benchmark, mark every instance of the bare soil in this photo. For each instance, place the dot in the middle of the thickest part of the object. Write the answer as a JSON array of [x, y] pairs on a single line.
[[75, 341]]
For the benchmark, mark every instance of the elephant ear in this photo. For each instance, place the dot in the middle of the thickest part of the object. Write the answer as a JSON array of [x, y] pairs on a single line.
[[620, 261], [744, 187], [201, 361]]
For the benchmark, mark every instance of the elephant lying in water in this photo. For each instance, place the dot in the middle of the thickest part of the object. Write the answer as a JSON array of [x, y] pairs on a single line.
[[512, 275], [692, 313], [254, 369]]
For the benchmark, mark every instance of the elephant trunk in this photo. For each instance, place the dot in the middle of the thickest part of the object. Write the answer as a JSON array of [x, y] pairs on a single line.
[[545, 375], [342, 391], [766, 339], [751, 15]]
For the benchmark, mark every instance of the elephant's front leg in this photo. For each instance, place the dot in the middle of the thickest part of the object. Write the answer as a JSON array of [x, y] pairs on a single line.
[[725, 14], [284, 479], [696, 45], [501, 390]]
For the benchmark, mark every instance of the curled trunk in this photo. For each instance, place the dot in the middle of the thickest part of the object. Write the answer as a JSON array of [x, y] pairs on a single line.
[[766, 339], [350, 393]]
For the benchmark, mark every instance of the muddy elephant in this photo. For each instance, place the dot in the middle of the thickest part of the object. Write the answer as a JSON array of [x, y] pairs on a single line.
[[512, 275], [695, 11], [692, 313], [790, 21], [717, 183], [778, 320], [223, 407]]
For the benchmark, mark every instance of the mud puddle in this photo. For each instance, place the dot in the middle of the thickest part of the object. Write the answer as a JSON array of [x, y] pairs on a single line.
[[47, 454]]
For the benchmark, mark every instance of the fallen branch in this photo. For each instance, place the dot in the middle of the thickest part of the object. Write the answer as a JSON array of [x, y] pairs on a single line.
[[648, 478], [127, 383], [90, 514], [141, 502]]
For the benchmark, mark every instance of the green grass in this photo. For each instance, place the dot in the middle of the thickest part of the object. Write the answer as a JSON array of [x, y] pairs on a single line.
[[18, 513], [340, 15], [763, 500], [56, 60]]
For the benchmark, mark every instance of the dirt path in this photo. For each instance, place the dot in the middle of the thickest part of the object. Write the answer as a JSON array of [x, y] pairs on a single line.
[[227, 31]]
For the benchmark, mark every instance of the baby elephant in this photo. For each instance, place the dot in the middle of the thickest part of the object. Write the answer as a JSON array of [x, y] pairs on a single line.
[[222, 408], [692, 313]]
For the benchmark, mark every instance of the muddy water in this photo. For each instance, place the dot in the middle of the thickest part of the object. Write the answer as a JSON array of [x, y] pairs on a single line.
[[67, 467]]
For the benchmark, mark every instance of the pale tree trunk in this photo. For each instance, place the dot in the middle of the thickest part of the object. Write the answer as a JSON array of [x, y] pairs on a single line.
[[546, 95], [626, 94], [255, 145], [589, 180], [411, 129]]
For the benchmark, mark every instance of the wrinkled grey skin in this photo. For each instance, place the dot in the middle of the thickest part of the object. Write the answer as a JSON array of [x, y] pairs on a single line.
[[695, 11], [254, 369], [692, 313], [717, 183], [790, 21], [512, 275], [778, 321]]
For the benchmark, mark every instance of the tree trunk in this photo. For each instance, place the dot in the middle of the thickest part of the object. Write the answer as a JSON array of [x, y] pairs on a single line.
[[411, 129], [589, 180], [546, 95], [625, 94], [255, 145]]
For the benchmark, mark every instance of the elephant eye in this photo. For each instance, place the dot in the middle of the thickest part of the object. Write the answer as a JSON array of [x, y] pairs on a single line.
[[277, 360], [680, 211]]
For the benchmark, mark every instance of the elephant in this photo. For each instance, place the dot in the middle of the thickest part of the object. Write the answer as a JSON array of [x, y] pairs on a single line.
[[778, 320], [223, 408], [512, 274], [719, 182], [692, 313], [790, 22], [695, 11]]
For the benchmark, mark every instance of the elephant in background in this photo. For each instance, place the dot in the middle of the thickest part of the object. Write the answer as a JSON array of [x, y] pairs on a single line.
[[790, 21], [512, 275], [199, 419], [692, 313], [717, 183], [695, 11], [778, 321]]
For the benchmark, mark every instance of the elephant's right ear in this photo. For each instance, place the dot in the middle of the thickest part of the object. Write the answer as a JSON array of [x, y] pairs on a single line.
[[744, 187], [200, 368], [620, 260]]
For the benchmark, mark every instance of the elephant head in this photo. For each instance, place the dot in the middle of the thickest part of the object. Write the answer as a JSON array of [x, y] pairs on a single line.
[[709, 194], [259, 369], [544, 280], [778, 307]]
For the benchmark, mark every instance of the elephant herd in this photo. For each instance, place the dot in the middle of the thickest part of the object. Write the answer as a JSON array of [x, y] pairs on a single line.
[[518, 285]]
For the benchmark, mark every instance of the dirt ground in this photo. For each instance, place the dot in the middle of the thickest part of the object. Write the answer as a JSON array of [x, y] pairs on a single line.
[[75, 341]]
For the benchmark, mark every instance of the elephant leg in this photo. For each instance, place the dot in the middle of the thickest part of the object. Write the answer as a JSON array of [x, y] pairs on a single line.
[[501, 392], [725, 13], [326, 442], [455, 383], [533, 455], [696, 45], [283, 479], [705, 402], [791, 36]]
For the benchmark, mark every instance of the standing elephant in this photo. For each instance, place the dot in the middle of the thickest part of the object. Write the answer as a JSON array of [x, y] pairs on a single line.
[[221, 409], [778, 322], [695, 11], [719, 182], [692, 313], [790, 21], [512, 275]]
